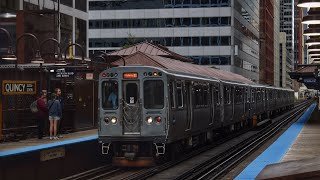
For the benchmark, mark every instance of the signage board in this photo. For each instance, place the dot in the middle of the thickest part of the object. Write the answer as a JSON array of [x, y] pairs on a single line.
[[89, 76], [62, 73], [49, 154], [11, 87], [309, 80]]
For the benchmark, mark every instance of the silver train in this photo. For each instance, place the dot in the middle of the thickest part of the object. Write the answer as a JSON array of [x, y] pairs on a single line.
[[147, 112]]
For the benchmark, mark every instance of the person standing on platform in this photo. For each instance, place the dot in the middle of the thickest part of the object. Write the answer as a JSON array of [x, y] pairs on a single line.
[[54, 115], [61, 101], [42, 113]]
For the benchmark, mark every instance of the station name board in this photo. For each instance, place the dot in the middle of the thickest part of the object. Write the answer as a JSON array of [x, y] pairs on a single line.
[[10, 87]]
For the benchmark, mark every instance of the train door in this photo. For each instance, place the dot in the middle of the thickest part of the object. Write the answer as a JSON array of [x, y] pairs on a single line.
[[131, 107], [232, 91], [189, 105]]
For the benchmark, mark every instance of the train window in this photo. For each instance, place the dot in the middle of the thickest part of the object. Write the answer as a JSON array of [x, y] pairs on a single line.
[[198, 95], [217, 95], [172, 95], [131, 93], [239, 95], [153, 94], [206, 96], [179, 95], [247, 95], [258, 92], [227, 95], [110, 95], [252, 95]]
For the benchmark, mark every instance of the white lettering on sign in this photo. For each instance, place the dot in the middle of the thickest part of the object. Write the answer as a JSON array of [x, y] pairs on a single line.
[[15, 88]]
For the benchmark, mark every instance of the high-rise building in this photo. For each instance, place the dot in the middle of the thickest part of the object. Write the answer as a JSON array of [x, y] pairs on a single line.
[[276, 43], [287, 26], [298, 37], [67, 21], [285, 62], [267, 42], [222, 33]]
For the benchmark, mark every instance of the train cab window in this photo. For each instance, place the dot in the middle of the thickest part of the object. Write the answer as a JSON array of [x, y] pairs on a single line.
[[110, 95], [153, 91], [131, 93], [180, 94]]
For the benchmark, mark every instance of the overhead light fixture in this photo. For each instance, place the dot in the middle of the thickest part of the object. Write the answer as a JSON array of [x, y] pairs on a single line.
[[10, 55], [37, 59], [313, 41], [312, 32], [309, 3]]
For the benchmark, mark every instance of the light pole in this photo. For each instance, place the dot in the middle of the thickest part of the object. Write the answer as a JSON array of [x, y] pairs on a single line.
[[56, 54], [37, 59]]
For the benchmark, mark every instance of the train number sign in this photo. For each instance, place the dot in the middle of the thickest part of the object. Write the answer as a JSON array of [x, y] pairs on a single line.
[[10, 87]]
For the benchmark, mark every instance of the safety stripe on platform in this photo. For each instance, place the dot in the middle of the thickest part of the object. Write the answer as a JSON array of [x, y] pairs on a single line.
[[46, 146], [278, 149]]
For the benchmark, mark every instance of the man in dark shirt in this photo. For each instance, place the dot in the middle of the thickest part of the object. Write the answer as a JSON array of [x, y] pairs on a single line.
[[42, 114]]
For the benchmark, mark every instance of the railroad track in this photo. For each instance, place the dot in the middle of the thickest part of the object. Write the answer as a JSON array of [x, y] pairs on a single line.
[[226, 156], [214, 167], [221, 164], [97, 173]]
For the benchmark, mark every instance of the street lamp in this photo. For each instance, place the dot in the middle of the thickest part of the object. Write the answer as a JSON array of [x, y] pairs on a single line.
[[309, 3], [57, 55], [10, 55], [37, 59]]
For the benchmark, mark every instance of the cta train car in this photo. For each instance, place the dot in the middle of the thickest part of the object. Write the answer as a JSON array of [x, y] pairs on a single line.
[[146, 113]]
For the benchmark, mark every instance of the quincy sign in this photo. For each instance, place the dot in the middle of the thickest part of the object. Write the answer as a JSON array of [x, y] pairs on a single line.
[[10, 87]]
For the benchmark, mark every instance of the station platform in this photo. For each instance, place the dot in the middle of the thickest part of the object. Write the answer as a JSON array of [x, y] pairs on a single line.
[[51, 159], [33, 144], [300, 142]]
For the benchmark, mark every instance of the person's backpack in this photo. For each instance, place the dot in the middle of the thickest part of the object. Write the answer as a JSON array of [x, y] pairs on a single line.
[[34, 107]]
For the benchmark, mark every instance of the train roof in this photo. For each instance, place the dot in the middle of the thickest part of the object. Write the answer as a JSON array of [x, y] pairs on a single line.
[[182, 67]]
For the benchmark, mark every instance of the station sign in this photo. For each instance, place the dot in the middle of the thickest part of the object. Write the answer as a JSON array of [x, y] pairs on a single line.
[[61, 73], [54, 153], [317, 73], [11, 87], [309, 80]]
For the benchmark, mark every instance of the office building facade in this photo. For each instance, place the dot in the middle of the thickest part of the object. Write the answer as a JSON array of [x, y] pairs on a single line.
[[220, 33]]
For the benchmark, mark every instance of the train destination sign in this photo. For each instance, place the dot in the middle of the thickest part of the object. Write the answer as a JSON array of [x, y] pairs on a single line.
[[10, 87]]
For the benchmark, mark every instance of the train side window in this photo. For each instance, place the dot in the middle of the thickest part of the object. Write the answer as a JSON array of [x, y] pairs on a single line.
[[109, 94], [227, 95], [172, 95], [206, 96], [198, 95], [239, 95], [247, 95], [252, 95], [180, 94], [217, 95]]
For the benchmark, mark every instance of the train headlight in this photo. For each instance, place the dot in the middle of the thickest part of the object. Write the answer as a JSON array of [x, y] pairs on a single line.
[[158, 119], [114, 120], [106, 120], [149, 120]]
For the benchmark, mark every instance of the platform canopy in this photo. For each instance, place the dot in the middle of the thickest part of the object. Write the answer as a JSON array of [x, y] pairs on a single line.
[[308, 74]]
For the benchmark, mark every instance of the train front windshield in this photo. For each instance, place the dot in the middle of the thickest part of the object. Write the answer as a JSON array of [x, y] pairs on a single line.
[[110, 95], [153, 94]]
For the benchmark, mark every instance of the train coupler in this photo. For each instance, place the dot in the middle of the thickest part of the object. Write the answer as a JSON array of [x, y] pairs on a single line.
[[105, 148], [161, 148]]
